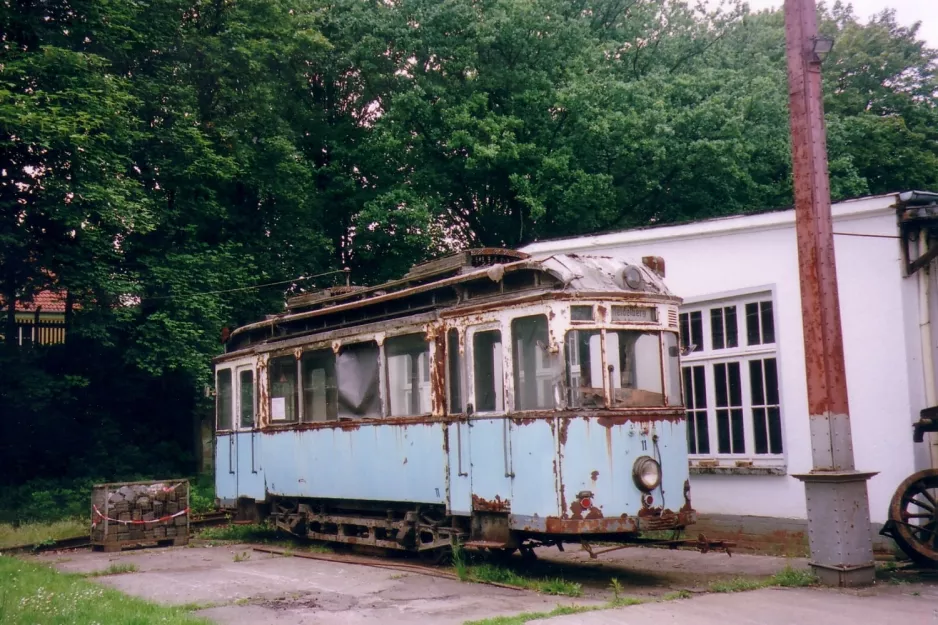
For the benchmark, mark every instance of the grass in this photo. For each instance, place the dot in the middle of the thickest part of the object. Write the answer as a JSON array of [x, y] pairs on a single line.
[[492, 573], [116, 569], [256, 533], [38, 533], [786, 578], [32, 594]]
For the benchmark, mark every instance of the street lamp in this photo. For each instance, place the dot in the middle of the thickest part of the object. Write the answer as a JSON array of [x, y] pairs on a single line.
[[821, 46]]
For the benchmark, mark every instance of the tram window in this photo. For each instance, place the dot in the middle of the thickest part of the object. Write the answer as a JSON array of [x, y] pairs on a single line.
[[535, 368], [454, 371], [672, 369], [319, 386], [246, 398], [634, 368], [585, 369], [487, 371], [359, 382], [408, 361], [223, 400], [283, 395]]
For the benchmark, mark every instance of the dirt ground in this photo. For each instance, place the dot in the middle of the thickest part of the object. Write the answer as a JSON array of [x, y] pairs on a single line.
[[232, 584]]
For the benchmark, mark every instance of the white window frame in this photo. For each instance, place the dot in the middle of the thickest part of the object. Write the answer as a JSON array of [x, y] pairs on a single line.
[[749, 461]]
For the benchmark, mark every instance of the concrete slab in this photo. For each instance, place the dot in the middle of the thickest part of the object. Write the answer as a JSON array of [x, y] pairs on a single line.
[[774, 606], [273, 589]]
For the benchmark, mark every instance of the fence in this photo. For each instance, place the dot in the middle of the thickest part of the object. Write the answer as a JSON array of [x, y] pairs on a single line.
[[45, 332]]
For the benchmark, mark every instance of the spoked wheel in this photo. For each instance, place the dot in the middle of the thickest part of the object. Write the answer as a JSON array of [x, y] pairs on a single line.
[[914, 513]]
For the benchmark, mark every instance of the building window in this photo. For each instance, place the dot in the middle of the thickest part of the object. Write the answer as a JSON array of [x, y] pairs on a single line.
[[730, 379], [692, 331]]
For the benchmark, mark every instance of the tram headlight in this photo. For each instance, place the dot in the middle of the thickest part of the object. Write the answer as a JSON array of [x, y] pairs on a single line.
[[647, 473], [633, 277]]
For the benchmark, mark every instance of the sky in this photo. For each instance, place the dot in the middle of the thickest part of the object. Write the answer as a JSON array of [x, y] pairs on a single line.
[[907, 13]]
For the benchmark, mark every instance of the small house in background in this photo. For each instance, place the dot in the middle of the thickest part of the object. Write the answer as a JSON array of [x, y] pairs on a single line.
[[39, 322], [744, 371]]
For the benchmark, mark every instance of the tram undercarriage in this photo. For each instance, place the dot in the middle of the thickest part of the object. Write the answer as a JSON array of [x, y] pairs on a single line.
[[429, 532]]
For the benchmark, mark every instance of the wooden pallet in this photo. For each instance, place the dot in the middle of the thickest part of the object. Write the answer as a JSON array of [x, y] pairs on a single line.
[[120, 545]]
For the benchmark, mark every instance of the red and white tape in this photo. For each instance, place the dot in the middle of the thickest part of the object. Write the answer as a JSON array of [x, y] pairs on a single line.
[[141, 522]]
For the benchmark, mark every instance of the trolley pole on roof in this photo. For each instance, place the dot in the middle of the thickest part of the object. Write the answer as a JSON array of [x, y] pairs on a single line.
[[839, 528]]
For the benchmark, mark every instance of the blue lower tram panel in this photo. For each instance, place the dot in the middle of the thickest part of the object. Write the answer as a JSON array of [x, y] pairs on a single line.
[[498, 481]]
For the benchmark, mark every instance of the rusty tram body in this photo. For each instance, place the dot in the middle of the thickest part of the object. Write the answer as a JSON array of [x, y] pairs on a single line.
[[485, 398]]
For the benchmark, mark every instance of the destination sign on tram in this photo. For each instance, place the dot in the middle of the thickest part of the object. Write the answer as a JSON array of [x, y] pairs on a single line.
[[634, 314]]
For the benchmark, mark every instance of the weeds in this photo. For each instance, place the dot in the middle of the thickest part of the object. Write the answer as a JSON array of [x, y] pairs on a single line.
[[117, 568], [242, 557], [257, 533], [678, 594], [616, 588], [40, 533], [787, 578], [38, 595], [491, 573]]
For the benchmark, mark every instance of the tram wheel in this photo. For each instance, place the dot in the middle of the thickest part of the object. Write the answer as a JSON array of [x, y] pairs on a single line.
[[914, 514]]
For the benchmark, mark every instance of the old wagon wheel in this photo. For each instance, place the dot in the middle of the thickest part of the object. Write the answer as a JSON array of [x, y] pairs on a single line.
[[914, 513]]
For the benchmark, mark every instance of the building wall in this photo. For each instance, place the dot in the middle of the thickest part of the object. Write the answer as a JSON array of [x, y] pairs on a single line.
[[879, 311]]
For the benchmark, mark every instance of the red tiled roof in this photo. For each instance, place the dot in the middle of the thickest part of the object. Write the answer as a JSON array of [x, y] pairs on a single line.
[[50, 301]]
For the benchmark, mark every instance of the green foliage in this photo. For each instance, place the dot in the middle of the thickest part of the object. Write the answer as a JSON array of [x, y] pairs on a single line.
[[160, 161], [202, 494], [259, 533], [118, 568], [44, 534], [37, 595], [792, 578], [486, 572], [788, 577]]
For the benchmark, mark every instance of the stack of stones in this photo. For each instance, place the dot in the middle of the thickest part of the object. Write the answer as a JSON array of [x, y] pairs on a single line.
[[140, 513]]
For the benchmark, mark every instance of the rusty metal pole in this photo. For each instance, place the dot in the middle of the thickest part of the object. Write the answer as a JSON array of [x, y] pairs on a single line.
[[839, 530]]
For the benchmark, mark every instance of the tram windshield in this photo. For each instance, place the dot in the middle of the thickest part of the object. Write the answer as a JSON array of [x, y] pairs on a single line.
[[627, 363]]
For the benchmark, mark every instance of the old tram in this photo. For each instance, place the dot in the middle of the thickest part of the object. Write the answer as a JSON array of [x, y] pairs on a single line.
[[485, 397]]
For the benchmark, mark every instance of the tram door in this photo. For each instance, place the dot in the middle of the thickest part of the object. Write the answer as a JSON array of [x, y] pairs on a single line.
[[490, 429], [250, 478], [226, 474]]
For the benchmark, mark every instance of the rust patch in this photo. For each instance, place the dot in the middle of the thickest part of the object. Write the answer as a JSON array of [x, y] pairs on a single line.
[[594, 475], [446, 440], [687, 506], [623, 524], [495, 505], [643, 416], [594, 513], [576, 510], [438, 375], [602, 311], [522, 421], [562, 436]]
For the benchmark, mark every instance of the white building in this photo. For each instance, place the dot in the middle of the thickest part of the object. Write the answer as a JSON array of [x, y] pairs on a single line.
[[745, 381]]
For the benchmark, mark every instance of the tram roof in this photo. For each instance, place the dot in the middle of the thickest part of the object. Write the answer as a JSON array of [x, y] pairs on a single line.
[[447, 283]]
